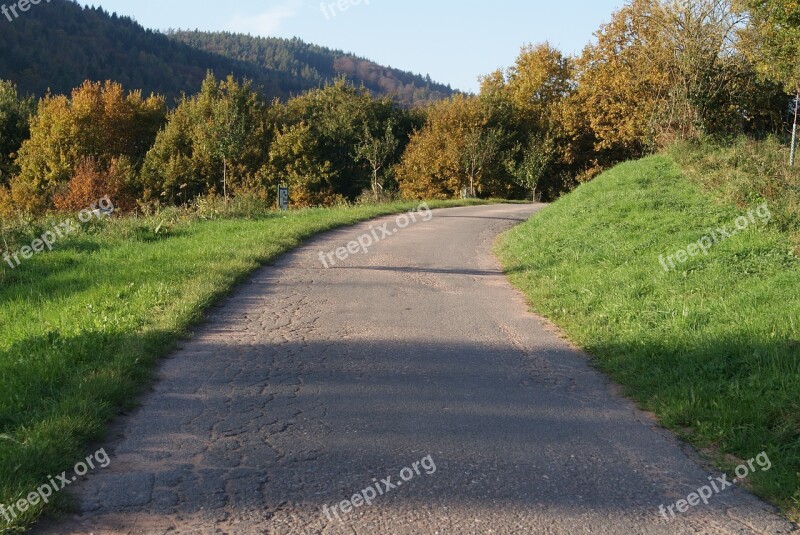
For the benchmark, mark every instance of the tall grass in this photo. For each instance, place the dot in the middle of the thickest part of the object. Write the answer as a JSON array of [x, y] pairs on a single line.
[[746, 172]]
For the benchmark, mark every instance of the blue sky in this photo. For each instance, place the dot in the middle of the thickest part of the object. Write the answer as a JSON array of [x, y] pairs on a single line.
[[453, 41]]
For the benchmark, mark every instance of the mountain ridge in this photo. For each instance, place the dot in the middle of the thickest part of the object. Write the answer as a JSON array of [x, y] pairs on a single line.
[[57, 46]]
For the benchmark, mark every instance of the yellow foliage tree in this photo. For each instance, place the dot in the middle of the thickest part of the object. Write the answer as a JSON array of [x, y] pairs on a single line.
[[663, 69], [435, 165], [99, 122]]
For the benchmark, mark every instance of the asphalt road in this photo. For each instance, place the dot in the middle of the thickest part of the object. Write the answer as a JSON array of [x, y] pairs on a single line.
[[309, 385]]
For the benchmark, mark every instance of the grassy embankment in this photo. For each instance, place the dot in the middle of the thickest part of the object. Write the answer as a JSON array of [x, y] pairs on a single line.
[[81, 326], [712, 347]]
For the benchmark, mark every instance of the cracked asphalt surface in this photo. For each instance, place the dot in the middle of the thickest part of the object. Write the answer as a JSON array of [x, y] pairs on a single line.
[[306, 383]]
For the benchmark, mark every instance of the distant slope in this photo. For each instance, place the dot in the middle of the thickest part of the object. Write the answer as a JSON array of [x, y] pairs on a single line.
[[312, 65], [56, 46]]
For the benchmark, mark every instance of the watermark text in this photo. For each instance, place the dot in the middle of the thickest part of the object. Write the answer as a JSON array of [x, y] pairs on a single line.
[[380, 488]]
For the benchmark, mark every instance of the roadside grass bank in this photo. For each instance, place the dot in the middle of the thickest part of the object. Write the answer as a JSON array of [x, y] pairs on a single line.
[[746, 172], [711, 347], [82, 326]]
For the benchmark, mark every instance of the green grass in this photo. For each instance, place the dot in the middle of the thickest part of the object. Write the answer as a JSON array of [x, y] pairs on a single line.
[[713, 348], [744, 172], [81, 327]]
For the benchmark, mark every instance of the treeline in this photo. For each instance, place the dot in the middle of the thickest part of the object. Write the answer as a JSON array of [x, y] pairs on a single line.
[[59, 44], [329, 145], [659, 71]]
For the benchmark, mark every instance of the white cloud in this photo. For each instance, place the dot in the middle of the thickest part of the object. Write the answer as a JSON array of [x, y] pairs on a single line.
[[267, 22]]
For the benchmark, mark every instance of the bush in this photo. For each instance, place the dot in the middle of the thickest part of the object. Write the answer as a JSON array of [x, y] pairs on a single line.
[[90, 183]]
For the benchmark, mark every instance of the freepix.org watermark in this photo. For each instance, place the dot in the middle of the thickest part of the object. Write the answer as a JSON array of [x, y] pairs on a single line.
[[22, 6], [375, 235], [330, 9], [101, 209], [714, 237], [716, 486], [54, 485], [380, 488]]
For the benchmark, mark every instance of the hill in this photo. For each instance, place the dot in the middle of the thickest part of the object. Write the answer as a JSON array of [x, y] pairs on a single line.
[[56, 46], [686, 299], [311, 66]]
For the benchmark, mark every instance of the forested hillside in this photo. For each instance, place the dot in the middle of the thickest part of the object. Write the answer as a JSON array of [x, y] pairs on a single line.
[[310, 65], [61, 44]]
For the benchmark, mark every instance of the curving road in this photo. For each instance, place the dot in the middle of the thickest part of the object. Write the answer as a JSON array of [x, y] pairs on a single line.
[[416, 360]]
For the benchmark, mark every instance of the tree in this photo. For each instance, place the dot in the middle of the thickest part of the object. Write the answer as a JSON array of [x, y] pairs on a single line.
[[15, 113], [376, 151], [294, 160], [210, 136], [535, 100], [619, 81], [480, 148], [231, 122], [99, 122], [432, 166], [539, 79], [663, 69], [536, 158], [707, 78], [773, 39], [338, 116]]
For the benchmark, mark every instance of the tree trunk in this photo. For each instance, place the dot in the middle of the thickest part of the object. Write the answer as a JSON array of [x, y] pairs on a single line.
[[225, 178], [793, 153]]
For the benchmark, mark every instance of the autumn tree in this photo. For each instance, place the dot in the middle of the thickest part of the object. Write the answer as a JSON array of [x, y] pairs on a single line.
[[540, 78], [663, 69], [533, 102], [99, 122], [620, 81], [433, 164], [481, 147]]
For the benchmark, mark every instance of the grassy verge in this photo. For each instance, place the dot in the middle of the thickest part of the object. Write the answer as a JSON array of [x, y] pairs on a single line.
[[81, 326], [746, 172], [712, 347]]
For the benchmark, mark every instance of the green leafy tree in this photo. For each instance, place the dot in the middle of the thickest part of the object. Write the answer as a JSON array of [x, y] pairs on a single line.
[[537, 157], [773, 39], [231, 122], [480, 149], [295, 160], [218, 132], [376, 151], [338, 115], [15, 113]]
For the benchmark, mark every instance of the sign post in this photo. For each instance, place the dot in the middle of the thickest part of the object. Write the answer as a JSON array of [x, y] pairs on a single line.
[[283, 198]]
